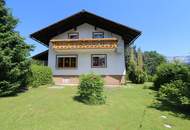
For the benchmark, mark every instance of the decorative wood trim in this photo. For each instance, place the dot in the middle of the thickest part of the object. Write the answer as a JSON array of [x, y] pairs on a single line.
[[87, 43]]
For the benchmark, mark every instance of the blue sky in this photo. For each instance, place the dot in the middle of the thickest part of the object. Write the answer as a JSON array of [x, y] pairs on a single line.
[[165, 24]]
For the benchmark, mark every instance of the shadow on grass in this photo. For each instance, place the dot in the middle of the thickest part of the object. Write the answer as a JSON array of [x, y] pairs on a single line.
[[149, 85], [22, 90], [79, 99], [175, 111], [182, 112]]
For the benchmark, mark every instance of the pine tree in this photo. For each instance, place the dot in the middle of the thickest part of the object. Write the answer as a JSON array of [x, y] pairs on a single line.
[[140, 59], [132, 56], [14, 64]]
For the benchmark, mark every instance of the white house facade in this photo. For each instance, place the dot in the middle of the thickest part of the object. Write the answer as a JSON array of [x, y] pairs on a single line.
[[84, 48]]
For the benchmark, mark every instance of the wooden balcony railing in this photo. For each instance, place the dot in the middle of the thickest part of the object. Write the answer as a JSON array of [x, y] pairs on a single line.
[[89, 43]]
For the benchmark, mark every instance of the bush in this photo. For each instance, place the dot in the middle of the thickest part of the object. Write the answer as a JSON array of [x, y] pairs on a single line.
[[176, 93], [136, 75], [41, 75], [167, 73], [150, 78], [37, 62], [91, 89]]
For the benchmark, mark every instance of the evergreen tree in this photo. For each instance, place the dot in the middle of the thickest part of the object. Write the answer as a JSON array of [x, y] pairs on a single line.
[[140, 59], [132, 56], [14, 64]]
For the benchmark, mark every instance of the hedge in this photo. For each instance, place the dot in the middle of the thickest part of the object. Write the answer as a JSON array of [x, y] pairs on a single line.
[[41, 75]]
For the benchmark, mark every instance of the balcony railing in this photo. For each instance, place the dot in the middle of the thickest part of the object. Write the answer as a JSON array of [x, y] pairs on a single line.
[[87, 43]]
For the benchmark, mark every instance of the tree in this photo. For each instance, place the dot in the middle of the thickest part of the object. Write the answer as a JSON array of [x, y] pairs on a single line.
[[130, 51], [152, 60], [140, 59], [14, 64]]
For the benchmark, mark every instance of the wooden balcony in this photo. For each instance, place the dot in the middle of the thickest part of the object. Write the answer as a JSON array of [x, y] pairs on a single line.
[[87, 43]]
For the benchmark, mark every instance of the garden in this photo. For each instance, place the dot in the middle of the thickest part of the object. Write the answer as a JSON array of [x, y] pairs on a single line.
[[131, 107], [156, 94]]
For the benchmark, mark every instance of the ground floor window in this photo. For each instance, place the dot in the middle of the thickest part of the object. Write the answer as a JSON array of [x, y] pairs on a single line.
[[67, 61], [99, 60]]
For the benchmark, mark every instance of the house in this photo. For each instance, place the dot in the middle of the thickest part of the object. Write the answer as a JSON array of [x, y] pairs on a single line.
[[83, 43]]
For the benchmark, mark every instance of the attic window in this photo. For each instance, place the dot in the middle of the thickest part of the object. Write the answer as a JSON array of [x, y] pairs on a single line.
[[98, 35], [74, 35]]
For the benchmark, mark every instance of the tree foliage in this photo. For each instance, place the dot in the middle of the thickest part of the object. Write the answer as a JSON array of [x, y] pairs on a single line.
[[176, 93], [14, 65], [170, 72], [140, 63], [152, 60], [135, 70]]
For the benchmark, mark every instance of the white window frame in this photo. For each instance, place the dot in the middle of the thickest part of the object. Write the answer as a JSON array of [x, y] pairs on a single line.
[[73, 34], [99, 33], [64, 56], [96, 55]]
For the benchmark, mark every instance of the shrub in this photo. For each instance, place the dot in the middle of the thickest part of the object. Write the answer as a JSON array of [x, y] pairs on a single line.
[[41, 75], [176, 93], [136, 75], [37, 62], [167, 73], [150, 78], [91, 89]]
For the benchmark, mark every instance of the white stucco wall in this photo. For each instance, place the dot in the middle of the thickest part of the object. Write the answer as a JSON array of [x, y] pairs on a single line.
[[115, 59]]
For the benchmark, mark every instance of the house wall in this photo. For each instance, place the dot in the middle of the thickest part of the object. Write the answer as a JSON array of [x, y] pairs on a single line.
[[115, 58]]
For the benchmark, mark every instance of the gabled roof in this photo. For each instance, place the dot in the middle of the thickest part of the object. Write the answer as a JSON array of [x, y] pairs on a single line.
[[44, 35]]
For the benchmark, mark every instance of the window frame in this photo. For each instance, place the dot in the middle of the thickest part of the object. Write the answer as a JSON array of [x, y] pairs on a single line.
[[97, 32], [105, 66], [77, 33], [67, 55]]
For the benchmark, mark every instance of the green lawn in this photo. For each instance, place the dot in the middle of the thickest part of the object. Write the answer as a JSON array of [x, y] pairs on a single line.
[[127, 108]]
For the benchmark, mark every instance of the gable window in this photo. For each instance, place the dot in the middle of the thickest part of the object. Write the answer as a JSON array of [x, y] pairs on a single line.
[[73, 35], [98, 35], [67, 61], [99, 60]]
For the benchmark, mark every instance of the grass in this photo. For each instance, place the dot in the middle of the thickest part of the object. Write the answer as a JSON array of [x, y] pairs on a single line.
[[127, 108]]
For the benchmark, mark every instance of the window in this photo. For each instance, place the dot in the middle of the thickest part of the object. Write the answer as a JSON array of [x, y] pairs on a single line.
[[67, 61], [74, 35], [98, 34], [99, 60]]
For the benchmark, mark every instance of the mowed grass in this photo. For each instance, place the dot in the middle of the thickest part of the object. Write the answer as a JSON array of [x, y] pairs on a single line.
[[127, 108]]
